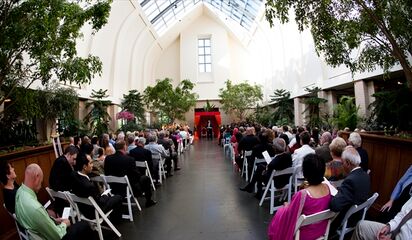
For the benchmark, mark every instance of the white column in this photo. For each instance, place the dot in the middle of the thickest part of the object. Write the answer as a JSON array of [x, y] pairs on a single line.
[[299, 108], [363, 96]]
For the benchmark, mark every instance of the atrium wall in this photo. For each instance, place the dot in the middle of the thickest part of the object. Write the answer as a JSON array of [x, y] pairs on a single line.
[[134, 56]]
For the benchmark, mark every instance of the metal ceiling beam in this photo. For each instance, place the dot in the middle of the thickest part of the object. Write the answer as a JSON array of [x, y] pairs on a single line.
[[158, 16]]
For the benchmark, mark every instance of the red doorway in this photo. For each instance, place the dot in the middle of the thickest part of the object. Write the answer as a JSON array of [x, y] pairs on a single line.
[[201, 119]]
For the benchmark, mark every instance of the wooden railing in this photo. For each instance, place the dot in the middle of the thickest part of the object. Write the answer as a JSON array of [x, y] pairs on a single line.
[[389, 158], [44, 156]]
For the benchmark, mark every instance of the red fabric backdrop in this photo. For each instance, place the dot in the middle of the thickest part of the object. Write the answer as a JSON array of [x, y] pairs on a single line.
[[201, 119]]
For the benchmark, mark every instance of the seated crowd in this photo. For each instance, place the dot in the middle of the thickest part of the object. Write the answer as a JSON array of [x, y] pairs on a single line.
[[73, 172], [327, 161]]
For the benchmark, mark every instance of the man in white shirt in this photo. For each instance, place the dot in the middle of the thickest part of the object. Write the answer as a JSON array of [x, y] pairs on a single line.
[[375, 230], [300, 153]]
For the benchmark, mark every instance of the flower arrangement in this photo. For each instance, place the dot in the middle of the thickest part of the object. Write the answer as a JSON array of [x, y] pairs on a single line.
[[125, 115]]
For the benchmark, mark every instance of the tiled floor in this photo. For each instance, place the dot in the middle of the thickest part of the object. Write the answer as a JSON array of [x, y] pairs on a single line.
[[201, 201]]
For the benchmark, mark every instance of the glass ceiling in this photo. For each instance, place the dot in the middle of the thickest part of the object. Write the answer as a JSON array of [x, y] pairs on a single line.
[[164, 13]]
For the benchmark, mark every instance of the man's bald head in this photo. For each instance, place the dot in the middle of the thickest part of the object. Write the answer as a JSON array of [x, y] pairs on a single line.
[[33, 177]]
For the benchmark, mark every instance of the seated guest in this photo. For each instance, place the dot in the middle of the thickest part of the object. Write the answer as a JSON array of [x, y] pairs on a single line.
[[399, 228], [334, 168], [323, 150], [60, 178], [83, 187], [247, 143], [157, 151], [120, 165], [264, 145], [130, 142], [300, 153], [314, 198], [282, 160], [167, 143], [139, 153], [354, 189], [400, 194], [32, 216], [8, 179], [61, 171], [355, 140]]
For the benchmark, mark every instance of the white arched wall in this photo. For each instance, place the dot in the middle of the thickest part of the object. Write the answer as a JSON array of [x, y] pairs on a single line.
[[134, 56]]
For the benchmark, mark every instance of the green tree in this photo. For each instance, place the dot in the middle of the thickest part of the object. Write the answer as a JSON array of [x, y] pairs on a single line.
[[238, 98], [380, 30], [61, 103], [263, 116], [283, 105], [38, 42], [98, 119], [313, 107], [133, 102], [392, 109], [170, 103], [346, 113]]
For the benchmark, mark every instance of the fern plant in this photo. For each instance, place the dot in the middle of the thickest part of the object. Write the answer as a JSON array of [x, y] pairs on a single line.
[[346, 113]]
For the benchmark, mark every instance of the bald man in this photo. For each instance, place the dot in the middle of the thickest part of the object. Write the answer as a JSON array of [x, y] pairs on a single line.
[[31, 214]]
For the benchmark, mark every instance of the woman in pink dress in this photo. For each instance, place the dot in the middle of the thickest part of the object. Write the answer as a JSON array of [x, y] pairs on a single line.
[[315, 197]]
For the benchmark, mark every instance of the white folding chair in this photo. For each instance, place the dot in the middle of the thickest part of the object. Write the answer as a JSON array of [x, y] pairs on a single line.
[[297, 181], [304, 220], [57, 146], [354, 209], [100, 216], [145, 165], [61, 195], [255, 163], [129, 195], [271, 187], [245, 168], [180, 146], [23, 234], [161, 169]]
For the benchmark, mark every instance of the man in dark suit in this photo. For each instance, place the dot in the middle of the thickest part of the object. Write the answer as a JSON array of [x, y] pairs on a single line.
[[247, 143], [60, 178], [139, 153], [354, 189], [83, 187], [119, 164], [281, 161]]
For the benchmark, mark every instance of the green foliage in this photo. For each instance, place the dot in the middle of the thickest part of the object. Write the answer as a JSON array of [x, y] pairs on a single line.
[[133, 102], [238, 98], [284, 107], [98, 119], [171, 103], [392, 109], [380, 29], [208, 107], [131, 127], [38, 42], [346, 113], [263, 116], [313, 107]]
